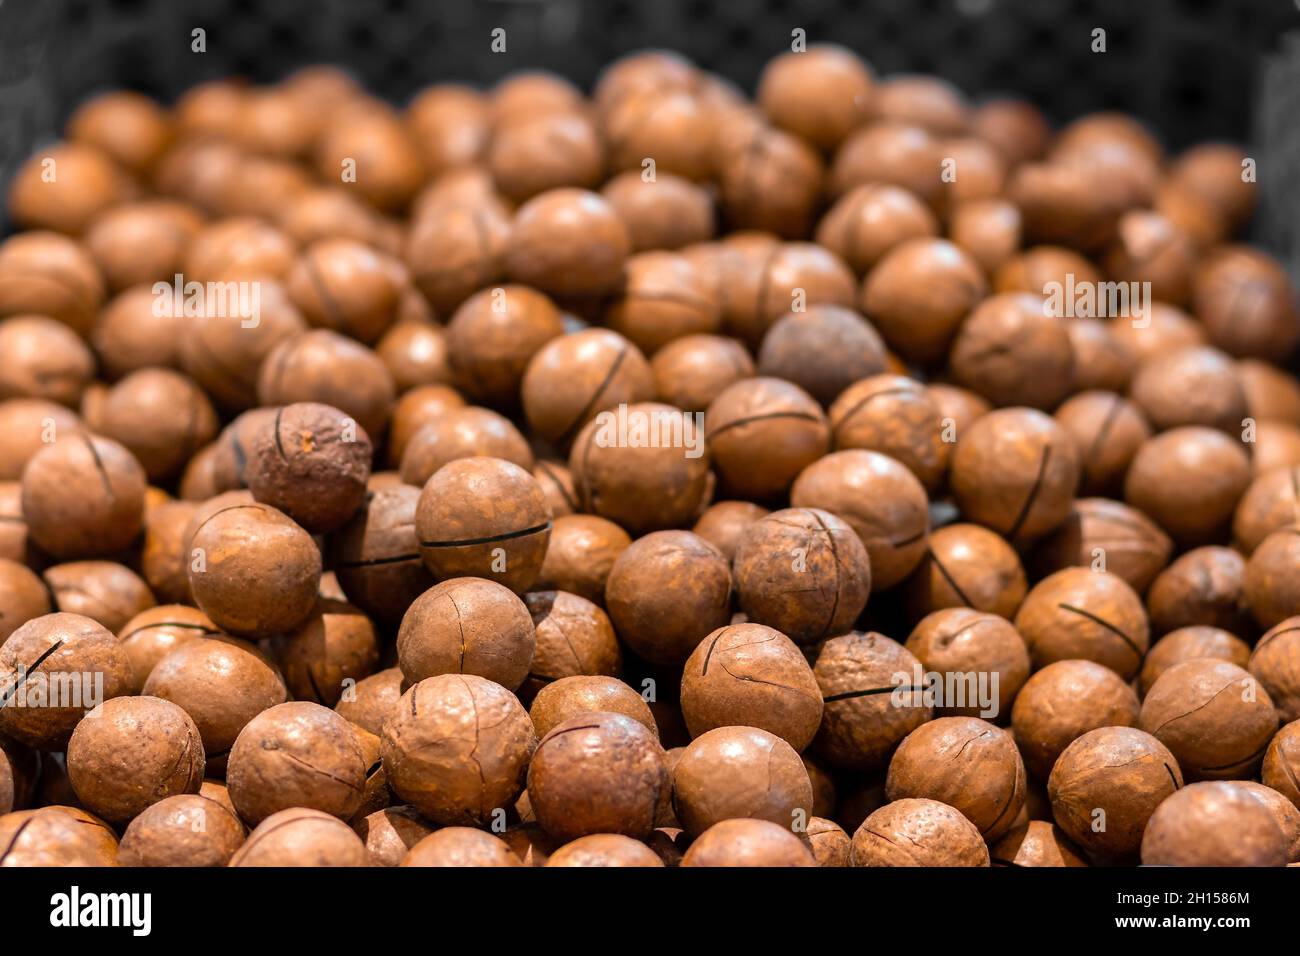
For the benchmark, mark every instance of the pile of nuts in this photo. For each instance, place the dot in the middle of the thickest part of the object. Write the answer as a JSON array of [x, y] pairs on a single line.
[[858, 476]]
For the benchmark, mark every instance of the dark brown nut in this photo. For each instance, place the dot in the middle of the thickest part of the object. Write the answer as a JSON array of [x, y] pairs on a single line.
[[870, 220], [390, 833], [804, 572], [1213, 172], [85, 182], [581, 553], [53, 670], [103, 591], [459, 847], [328, 653], [927, 101], [645, 467], [1213, 716], [132, 753], [889, 152], [386, 165], [690, 372], [751, 675], [664, 297], [1036, 843], [43, 359], [302, 837], [598, 773], [456, 249], [740, 772], [965, 762], [666, 592], [557, 487], [1082, 614], [162, 417], [327, 212], [1105, 786], [1015, 470], [724, 523], [575, 377], [198, 480], [297, 754], [222, 684], [1064, 701], [163, 560], [224, 354], [459, 433], [534, 153], [1270, 392], [748, 843], [1246, 302], [831, 846], [823, 350], [1012, 351], [1271, 592], [969, 647], [918, 294], [43, 273], [986, 229], [571, 697], [57, 836], [1106, 535], [761, 433], [918, 832], [253, 571], [347, 286], [1016, 127], [324, 367], [494, 335], [421, 406], [966, 566], [769, 180], [821, 94], [1282, 763], [484, 517], [568, 242], [1193, 643], [1107, 430], [1213, 824], [376, 555], [604, 849], [1204, 586], [450, 125], [574, 639], [983, 172], [312, 462], [23, 596], [667, 212], [1102, 360], [182, 830], [153, 634], [13, 526], [29, 425], [372, 700], [1192, 386], [1151, 248], [861, 724], [456, 747], [467, 626], [83, 497], [1274, 664], [1077, 200], [672, 128], [897, 416], [415, 351]]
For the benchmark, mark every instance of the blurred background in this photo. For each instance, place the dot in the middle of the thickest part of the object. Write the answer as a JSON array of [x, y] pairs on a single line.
[[1193, 69]]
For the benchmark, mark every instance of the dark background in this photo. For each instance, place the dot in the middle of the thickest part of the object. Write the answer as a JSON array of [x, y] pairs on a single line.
[[1188, 66]]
